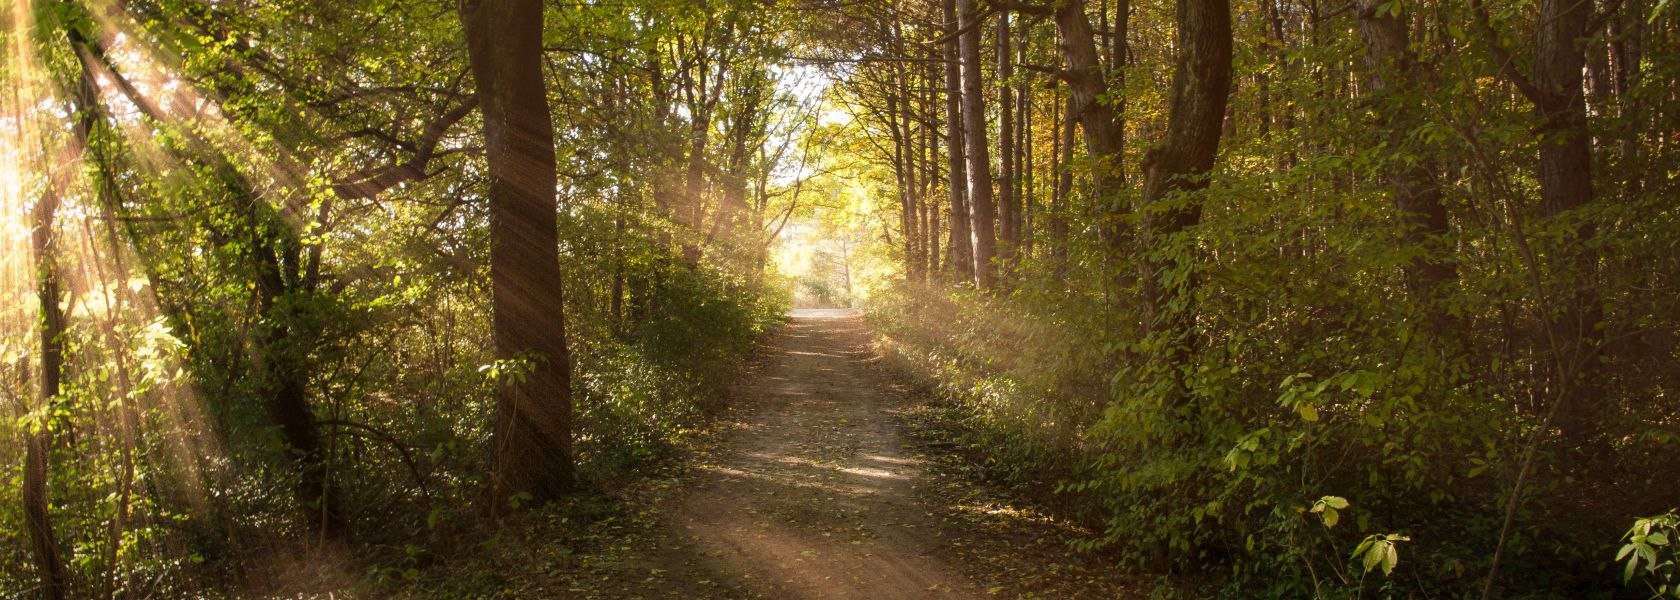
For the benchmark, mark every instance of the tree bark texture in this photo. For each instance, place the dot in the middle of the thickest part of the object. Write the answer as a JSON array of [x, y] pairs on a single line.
[[1179, 164], [1417, 195], [1008, 238], [532, 451], [982, 209], [961, 243], [49, 566]]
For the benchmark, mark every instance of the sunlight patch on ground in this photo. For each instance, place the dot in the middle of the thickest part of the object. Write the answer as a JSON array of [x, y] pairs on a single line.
[[822, 313]]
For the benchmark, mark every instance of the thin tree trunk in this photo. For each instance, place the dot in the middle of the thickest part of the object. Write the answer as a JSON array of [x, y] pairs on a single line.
[[532, 438], [38, 446], [1024, 151], [1063, 193], [928, 158], [692, 207], [901, 179]]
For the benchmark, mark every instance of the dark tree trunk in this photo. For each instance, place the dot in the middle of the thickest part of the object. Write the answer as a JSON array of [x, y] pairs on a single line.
[[1025, 198], [901, 178], [981, 208], [930, 170], [1008, 238], [286, 371], [1105, 131], [1554, 88], [274, 255], [532, 438], [1064, 186], [746, 125], [1394, 69], [1105, 136], [1180, 164], [49, 566], [692, 207], [1566, 184], [961, 244]]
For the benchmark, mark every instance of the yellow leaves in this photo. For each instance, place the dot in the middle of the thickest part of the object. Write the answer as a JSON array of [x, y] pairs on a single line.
[[1308, 413], [1326, 508], [1379, 550]]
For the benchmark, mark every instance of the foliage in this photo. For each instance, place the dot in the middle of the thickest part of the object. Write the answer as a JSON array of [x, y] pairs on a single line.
[[1315, 366], [1649, 554], [270, 198]]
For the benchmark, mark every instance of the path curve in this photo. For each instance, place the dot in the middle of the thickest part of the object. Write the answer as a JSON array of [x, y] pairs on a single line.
[[814, 496]]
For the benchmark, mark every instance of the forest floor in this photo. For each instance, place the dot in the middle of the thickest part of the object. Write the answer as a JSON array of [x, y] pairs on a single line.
[[827, 479]]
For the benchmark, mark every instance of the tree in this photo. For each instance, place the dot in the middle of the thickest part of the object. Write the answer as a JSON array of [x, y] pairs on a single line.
[[49, 566], [1394, 73], [532, 451], [1104, 123], [962, 241], [1009, 239], [1175, 169], [982, 208], [1554, 88]]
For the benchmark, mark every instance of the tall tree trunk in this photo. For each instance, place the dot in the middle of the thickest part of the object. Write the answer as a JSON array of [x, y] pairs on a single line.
[[1024, 198], [962, 242], [901, 177], [692, 208], [49, 566], [905, 150], [1554, 88], [746, 125], [1566, 184], [930, 171], [1627, 35], [1060, 168], [1178, 165], [284, 368], [1417, 195], [1104, 126], [532, 439], [1008, 240], [981, 208]]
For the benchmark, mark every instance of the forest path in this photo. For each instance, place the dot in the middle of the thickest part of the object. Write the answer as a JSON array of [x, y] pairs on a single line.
[[827, 477], [815, 495]]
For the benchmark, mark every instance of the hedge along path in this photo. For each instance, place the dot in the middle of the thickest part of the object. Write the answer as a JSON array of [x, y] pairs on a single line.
[[814, 495]]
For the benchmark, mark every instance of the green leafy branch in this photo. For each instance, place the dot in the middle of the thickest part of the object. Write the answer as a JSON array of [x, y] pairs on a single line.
[[1650, 551]]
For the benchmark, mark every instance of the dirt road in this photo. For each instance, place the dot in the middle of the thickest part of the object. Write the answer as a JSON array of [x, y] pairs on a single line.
[[812, 488], [814, 496]]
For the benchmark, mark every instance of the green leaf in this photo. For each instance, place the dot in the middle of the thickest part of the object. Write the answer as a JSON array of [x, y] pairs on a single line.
[[1373, 557]]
